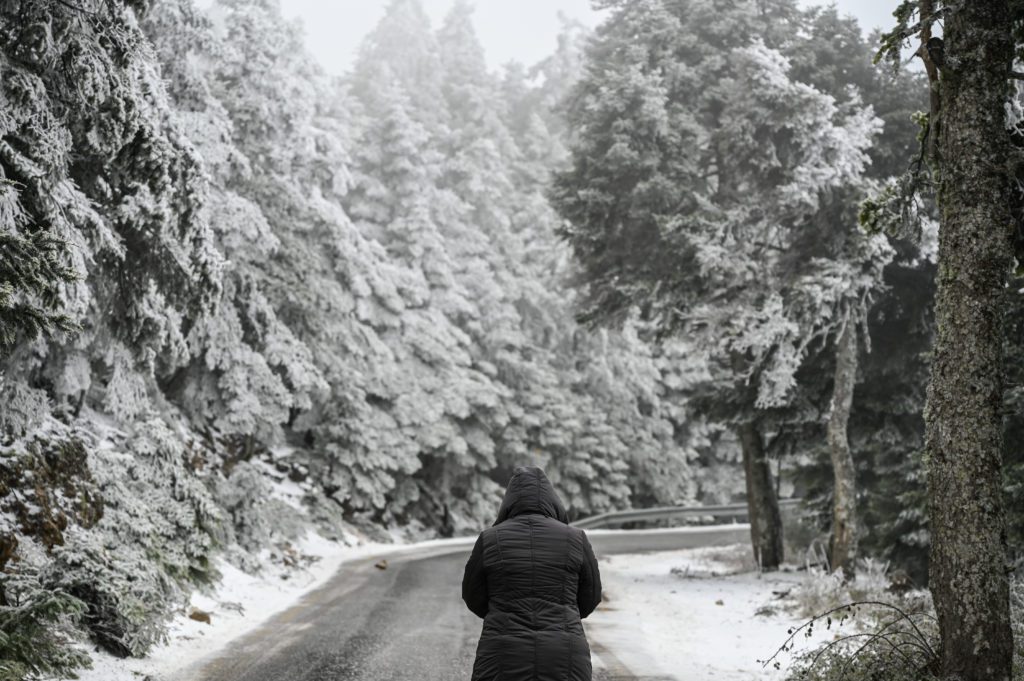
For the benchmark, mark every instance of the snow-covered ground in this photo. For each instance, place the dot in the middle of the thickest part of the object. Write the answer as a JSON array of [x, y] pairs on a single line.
[[694, 615], [240, 603]]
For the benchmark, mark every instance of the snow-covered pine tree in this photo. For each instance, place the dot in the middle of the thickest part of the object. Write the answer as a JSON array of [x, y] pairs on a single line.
[[249, 370], [446, 400], [403, 45], [110, 201], [609, 396], [100, 162]]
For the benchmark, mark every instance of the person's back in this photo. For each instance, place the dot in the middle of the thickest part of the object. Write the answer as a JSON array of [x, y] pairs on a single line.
[[532, 578]]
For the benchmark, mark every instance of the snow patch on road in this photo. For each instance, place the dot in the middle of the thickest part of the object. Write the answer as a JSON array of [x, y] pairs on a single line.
[[692, 614]]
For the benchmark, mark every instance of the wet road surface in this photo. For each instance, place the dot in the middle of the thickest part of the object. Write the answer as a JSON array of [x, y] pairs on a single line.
[[404, 623]]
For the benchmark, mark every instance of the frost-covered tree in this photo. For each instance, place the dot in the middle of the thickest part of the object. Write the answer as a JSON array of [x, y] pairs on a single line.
[[446, 399], [853, 266], [636, 388], [248, 370], [294, 346], [699, 165], [102, 198], [102, 182], [404, 45]]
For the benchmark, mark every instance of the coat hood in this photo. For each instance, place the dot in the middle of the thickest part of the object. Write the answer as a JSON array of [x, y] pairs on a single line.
[[530, 491]]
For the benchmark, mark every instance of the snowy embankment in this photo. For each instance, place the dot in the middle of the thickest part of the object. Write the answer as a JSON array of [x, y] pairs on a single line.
[[241, 603], [699, 614]]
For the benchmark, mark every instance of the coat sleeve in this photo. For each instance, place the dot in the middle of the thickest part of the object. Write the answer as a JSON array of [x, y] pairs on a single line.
[[474, 580], [588, 591]]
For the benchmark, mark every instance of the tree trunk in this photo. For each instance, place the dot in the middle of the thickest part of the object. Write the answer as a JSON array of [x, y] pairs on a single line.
[[843, 547], [963, 433], [762, 504]]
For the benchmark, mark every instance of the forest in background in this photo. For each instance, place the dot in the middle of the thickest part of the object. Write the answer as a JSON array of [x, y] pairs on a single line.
[[223, 269]]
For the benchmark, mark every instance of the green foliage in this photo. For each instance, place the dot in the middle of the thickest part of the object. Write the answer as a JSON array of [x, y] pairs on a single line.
[[892, 209]]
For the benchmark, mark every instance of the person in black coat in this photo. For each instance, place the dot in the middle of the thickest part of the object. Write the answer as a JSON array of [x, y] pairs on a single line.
[[532, 577]]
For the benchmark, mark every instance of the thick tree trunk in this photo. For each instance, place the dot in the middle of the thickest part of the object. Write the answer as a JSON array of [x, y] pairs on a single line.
[[963, 434], [762, 503], [843, 547]]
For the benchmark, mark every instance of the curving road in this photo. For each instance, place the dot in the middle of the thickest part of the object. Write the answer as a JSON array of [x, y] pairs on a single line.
[[406, 622]]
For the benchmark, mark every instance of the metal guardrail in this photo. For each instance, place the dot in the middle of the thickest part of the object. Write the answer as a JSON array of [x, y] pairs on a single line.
[[668, 513]]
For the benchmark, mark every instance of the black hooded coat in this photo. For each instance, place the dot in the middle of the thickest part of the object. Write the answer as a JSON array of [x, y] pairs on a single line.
[[532, 578]]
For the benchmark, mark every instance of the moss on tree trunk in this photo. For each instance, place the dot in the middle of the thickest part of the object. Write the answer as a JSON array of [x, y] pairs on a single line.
[[963, 421]]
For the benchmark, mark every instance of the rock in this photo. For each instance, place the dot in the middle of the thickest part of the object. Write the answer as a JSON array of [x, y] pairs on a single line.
[[298, 473], [199, 615], [381, 564], [719, 602]]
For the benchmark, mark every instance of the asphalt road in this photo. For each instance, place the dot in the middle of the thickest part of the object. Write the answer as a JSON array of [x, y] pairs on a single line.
[[406, 622]]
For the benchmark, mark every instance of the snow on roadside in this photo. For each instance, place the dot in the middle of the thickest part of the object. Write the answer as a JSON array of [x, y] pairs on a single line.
[[240, 603], [692, 614]]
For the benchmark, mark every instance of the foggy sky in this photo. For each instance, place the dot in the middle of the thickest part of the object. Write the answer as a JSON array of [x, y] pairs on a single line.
[[520, 30]]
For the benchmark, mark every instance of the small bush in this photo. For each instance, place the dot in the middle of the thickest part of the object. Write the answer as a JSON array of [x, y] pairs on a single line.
[[869, 665], [156, 537], [257, 520], [874, 641], [127, 598], [244, 496], [36, 628], [112, 529], [884, 631]]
